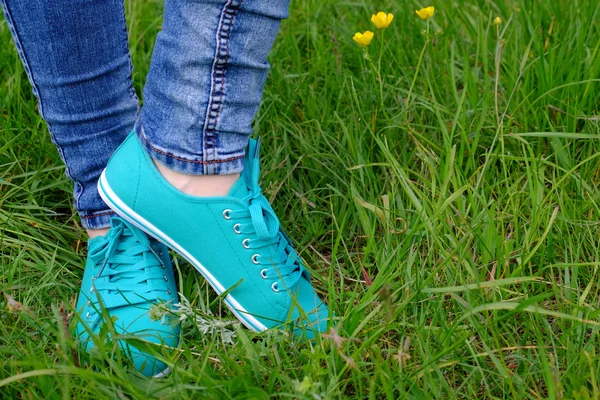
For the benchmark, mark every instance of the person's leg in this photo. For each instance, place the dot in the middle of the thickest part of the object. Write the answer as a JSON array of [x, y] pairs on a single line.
[[204, 87], [76, 56]]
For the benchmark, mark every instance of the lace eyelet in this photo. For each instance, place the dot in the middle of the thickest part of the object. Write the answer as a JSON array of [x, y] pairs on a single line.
[[92, 290], [246, 243], [226, 214], [165, 278], [88, 303], [88, 315], [255, 259], [263, 274], [168, 291], [236, 228], [274, 287]]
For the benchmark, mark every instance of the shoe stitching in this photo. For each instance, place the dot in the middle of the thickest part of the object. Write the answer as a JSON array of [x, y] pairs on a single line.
[[137, 188]]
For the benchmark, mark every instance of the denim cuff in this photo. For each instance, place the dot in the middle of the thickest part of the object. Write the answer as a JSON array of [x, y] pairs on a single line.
[[97, 220], [192, 164], [205, 83]]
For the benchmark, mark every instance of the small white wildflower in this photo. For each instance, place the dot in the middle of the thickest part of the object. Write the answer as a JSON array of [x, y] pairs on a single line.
[[187, 314]]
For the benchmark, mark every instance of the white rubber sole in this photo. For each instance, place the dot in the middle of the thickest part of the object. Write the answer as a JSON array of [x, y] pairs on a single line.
[[162, 374], [118, 206]]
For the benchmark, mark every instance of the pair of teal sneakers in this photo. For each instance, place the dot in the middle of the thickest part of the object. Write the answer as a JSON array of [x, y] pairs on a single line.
[[234, 241]]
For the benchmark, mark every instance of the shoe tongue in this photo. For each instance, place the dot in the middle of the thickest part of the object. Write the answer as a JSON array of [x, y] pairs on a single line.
[[239, 188], [115, 222], [127, 239], [123, 270], [250, 173]]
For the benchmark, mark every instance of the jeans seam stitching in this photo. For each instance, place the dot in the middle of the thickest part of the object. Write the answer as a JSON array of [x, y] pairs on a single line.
[[202, 162], [132, 92], [21, 51], [97, 215], [228, 14]]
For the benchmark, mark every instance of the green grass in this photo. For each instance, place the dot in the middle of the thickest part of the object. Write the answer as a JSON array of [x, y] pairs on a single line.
[[473, 207]]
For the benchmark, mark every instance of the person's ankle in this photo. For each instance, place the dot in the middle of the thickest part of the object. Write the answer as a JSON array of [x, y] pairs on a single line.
[[198, 185], [93, 233]]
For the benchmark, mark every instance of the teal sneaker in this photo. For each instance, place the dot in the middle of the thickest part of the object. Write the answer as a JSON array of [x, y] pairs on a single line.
[[126, 272], [234, 241]]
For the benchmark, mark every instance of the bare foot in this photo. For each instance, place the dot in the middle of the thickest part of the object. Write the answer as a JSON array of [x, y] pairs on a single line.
[[198, 185], [92, 233]]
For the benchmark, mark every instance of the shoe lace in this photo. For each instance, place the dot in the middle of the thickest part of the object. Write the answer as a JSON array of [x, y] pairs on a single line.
[[129, 269], [282, 264]]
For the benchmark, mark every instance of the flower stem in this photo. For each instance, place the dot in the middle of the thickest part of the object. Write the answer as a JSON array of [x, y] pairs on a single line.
[[416, 72], [374, 70], [379, 78]]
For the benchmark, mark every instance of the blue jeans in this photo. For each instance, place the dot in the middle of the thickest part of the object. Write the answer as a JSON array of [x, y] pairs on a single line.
[[204, 87]]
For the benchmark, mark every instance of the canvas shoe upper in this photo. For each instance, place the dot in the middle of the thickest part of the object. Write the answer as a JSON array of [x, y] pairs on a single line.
[[125, 274], [234, 241]]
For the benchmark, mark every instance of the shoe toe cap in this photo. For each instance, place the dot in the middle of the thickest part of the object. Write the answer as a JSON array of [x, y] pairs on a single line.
[[159, 332], [313, 323], [147, 364], [310, 315], [135, 323]]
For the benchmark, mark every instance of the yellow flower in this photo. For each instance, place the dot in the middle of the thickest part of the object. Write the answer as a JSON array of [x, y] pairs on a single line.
[[363, 39], [382, 20], [426, 13], [497, 21]]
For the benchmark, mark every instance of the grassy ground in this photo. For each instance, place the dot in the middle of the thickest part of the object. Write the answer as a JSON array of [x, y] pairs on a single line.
[[451, 220]]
